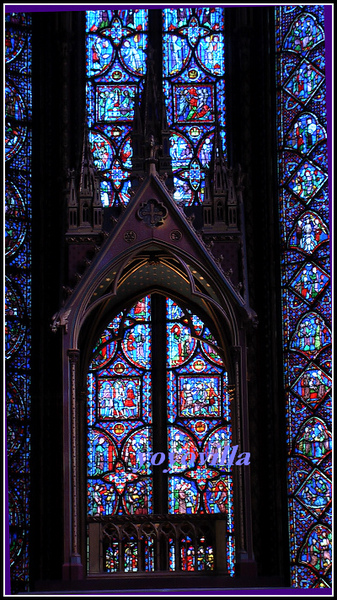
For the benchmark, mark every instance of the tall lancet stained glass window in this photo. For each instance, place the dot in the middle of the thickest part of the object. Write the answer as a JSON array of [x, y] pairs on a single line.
[[128, 440], [194, 87], [116, 42], [193, 49], [18, 153], [306, 292]]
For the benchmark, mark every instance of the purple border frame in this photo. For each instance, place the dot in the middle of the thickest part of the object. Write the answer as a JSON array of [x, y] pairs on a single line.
[[328, 15]]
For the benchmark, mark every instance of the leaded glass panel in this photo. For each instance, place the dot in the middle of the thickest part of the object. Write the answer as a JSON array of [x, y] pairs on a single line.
[[120, 416], [18, 160], [199, 423], [306, 295], [194, 88], [124, 473], [116, 42]]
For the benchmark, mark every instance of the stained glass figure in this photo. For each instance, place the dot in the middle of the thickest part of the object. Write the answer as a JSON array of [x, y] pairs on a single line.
[[194, 88], [306, 298], [18, 213], [16, 220], [136, 499], [309, 233], [314, 440], [304, 82], [187, 555], [116, 42], [315, 492], [305, 133], [309, 282], [312, 386], [111, 558], [199, 396], [311, 335], [316, 553], [131, 556], [307, 180]]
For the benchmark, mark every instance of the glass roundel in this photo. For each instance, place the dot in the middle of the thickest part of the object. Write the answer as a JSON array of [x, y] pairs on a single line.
[[133, 454]]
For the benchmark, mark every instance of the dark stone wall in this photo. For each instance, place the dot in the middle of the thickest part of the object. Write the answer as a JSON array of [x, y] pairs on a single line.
[[58, 114]]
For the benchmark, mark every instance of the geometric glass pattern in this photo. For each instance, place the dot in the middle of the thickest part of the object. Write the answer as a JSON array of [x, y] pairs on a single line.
[[18, 162], [124, 434], [116, 42], [194, 89], [306, 293]]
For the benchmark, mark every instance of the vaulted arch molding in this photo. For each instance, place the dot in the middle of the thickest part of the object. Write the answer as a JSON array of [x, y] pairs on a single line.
[[154, 265]]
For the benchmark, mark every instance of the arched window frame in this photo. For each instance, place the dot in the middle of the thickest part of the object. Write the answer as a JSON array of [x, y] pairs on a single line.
[[157, 483]]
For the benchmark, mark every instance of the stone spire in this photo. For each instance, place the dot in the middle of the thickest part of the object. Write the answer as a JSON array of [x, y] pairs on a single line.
[[220, 205], [84, 204], [150, 132]]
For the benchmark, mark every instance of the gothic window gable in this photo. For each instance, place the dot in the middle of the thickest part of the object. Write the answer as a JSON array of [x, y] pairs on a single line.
[[154, 231], [154, 250]]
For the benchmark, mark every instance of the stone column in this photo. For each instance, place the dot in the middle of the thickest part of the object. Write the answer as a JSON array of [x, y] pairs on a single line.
[[246, 565], [73, 569]]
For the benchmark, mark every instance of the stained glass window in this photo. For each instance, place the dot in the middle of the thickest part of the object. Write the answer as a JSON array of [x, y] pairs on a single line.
[[116, 43], [18, 152], [194, 87], [306, 292], [131, 457], [199, 430], [120, 416]]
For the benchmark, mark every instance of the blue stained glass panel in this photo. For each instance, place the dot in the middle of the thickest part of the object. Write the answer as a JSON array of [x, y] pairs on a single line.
[[116, 43], [120, 424], [119, 415], [18, 161], [198, 410], [194, 89], [305, 279]]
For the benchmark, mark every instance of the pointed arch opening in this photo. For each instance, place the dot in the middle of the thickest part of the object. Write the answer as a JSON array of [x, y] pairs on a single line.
[[159, 446]]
